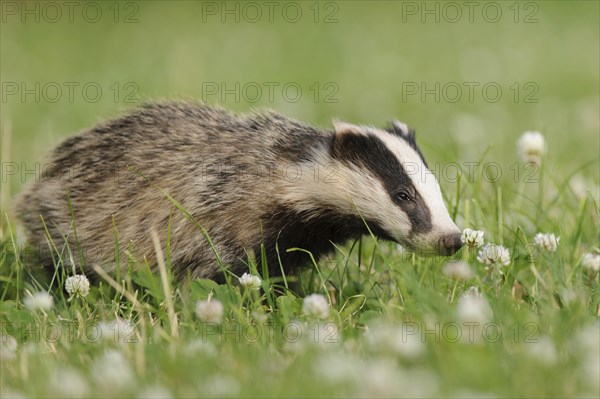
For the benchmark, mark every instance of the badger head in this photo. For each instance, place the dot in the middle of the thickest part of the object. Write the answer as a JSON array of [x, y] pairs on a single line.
[[393, 187], [380, 175]]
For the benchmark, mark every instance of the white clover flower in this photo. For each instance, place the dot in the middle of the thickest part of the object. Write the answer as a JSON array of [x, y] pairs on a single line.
[[250, 282], [591, 262], [458, 270], [316, 305], [531, 146], [384, 379], [210, 311], [112, 371], [473, 307], [77, 285], [400, 249], [8, 347], [33, 348], [586, 346], [200, 346], [40, 300], [154, 392], [472, 238], [338, 367], [492, 254], [399, 340], [579, 186], [380, 378], [221, 386], [68, 383], [547, 242], [543, 350]]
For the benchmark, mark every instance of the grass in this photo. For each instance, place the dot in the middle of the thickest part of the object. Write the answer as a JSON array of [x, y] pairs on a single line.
[[394, 317]]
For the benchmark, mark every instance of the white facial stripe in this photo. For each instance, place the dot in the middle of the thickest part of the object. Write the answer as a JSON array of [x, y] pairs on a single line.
[[423, 180]]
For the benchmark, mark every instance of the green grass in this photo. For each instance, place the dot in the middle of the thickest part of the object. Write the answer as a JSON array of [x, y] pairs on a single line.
[[546, 305]]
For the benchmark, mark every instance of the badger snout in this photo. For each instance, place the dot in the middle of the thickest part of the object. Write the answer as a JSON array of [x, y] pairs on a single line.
[[449, 244]]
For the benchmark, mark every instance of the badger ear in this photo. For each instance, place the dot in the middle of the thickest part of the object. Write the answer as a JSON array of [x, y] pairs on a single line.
[[401, 129], [341, 128], [346, 134]]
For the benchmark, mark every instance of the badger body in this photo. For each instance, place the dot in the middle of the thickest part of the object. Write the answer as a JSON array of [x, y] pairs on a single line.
[[194, 173]]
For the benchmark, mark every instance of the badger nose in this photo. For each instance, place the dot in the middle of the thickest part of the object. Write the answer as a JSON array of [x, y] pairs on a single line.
[[450, 243]]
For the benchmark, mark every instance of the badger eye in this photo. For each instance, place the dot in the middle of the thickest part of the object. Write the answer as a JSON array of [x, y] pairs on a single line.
[[402, 196]]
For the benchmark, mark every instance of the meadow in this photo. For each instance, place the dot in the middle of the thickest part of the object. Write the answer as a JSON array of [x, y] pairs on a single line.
[[519, 319]]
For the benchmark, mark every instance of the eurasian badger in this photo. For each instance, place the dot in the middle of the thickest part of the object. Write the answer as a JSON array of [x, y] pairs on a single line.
[[244, 179]]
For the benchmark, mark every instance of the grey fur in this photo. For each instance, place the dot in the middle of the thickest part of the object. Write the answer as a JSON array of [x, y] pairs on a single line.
[[115, 176], [179, 147]]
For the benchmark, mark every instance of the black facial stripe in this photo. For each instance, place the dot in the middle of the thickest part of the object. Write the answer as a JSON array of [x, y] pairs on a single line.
[[419, 215], [370, 152]]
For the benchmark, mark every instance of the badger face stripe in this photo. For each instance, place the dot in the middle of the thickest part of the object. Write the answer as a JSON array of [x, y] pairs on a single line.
[[426, 184], [401, 130], [370, 152]]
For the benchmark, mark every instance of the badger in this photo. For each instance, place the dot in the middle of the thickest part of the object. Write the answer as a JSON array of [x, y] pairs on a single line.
[[220, 187]]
